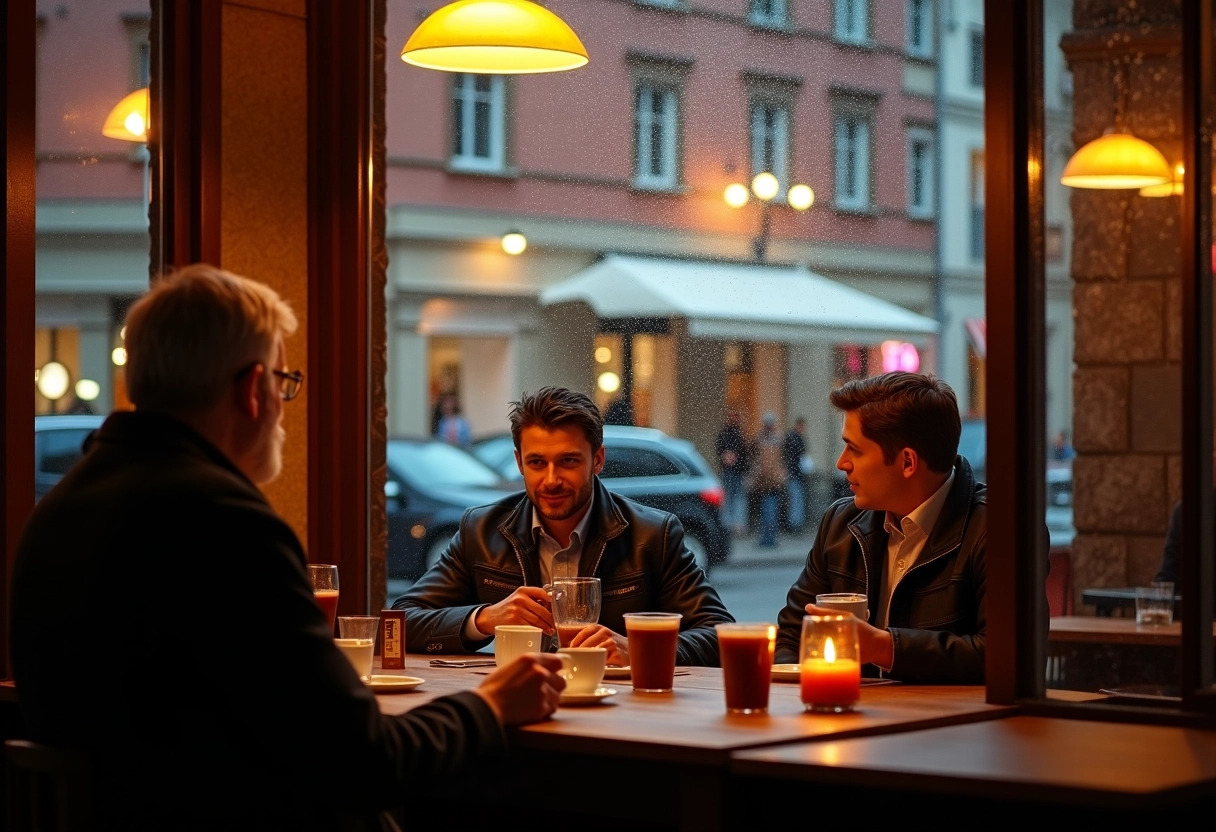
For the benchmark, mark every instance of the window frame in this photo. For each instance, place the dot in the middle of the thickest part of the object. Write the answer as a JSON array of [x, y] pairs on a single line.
[[926, 207], [668, 153], [776, 158], [859, 34], [772, 14], [858, 109], [919, 16], [465, 100]]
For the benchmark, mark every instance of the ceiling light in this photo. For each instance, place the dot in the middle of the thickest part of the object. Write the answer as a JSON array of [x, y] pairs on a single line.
[[129, 118], [1116, 160]]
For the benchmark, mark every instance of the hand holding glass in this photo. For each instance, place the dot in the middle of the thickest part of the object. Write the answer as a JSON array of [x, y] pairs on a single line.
[[324, 577], [575, 604]]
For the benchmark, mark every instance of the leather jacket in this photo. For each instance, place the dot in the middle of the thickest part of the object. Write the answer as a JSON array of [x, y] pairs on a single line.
[[637, 552], [937, 616]]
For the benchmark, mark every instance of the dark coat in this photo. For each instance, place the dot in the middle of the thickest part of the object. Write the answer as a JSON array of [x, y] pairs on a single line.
[[163, 622], [938, 614], [637, 552]]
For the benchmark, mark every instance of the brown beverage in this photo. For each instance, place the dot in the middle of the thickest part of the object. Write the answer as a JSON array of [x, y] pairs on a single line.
[[566, 633], [652, 649], [747, 665]]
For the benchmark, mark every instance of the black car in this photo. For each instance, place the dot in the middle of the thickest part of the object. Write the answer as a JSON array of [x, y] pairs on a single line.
[[429, 485], [58, 444], [647, 465]]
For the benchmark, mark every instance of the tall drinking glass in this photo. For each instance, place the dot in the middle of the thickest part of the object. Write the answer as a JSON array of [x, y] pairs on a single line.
[[653, 639], [324, 577], [576, 603]]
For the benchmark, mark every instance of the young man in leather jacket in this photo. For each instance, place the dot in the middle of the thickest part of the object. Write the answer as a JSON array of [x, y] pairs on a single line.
[[567, 524]]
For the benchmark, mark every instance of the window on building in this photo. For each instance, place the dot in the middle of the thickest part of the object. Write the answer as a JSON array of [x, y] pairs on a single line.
[[478, 122], [853, 148], [657, 118], [977, 58], [851, 21], [920, 28], [767, 12], [770, 140], [920, 172], [977, 205]]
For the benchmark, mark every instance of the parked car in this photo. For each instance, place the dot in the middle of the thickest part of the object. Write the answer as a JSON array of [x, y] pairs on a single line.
[[58, 444], [973, 444], [647, 465], [428, 487]]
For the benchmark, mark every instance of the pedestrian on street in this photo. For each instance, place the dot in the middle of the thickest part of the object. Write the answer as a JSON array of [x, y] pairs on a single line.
[[731, 448], [793, 456], [768, 478]]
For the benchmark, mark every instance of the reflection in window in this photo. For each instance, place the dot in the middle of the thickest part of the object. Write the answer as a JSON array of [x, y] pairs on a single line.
[[657, 121], [478, 122], [771, 142], [852, 161], [851, 21]]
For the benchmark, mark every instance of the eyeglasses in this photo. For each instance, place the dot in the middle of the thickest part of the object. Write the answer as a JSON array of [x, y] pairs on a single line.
[[289, 382]]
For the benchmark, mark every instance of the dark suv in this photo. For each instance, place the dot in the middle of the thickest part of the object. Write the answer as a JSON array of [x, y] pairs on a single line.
[[58, 444], [647, 465]]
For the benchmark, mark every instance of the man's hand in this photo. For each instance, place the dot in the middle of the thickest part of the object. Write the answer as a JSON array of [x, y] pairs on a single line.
[[876, 645], [597, 635], [526, 690], [526, 605]]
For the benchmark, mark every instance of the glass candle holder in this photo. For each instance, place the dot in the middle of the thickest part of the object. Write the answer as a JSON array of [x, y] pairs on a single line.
[[830, 663]]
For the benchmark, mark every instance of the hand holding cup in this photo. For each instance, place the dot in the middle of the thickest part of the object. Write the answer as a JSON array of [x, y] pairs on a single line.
[[528, 689]]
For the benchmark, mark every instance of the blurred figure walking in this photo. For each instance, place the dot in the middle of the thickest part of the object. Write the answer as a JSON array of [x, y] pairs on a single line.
[[731, 448], [768, 478], [797, 465]]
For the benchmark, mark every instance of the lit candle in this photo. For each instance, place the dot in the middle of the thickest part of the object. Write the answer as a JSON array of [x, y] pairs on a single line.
[[830, 683]]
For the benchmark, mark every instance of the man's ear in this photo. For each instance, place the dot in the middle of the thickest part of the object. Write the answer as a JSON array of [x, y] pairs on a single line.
[[597, 462], [248, 385], [909, 462]]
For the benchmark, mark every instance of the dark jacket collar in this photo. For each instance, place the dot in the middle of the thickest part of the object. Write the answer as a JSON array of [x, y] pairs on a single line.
[[144, 428]]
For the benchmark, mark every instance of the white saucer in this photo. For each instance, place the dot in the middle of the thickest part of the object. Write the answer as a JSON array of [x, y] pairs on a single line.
[[597, 696], [616, 672], [393, 684], [786, 673]]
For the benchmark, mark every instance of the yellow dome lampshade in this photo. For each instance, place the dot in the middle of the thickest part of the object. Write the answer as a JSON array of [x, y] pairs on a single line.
[[1172, 188], [129, 118], [494, 37], [1116, 160]]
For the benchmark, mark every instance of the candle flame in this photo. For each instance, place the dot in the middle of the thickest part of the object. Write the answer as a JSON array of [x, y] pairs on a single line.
[[829, 650]]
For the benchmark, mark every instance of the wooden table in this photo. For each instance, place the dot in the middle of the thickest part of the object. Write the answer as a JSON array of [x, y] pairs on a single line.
[[663, 760], [1050, 771], [1099, 652]]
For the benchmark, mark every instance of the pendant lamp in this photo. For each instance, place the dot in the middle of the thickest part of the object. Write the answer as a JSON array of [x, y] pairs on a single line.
[[494, 37], [1116, 160], [129, 118]]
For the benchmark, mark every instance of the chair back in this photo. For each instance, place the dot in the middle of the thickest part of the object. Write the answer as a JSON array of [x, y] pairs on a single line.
[[47, 789], [1059, 581]]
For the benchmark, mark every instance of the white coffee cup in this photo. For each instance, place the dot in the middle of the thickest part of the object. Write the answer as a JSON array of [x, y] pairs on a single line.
[[513, 640], [853, 602], [585, 671]]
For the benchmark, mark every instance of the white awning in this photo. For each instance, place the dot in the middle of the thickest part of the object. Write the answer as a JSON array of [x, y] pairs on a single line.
[[735, 301]]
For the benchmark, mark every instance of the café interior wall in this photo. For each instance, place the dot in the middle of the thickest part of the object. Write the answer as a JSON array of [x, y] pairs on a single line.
[[263, 223], [1126, 303]]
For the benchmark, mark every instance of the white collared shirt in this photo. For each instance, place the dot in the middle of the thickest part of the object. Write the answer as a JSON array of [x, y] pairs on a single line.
[[906, 539]]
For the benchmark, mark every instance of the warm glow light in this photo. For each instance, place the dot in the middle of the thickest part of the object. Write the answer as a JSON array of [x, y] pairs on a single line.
[[53, 380], [494, 36], [900, 355], [1171, 188], [829, 650], [1116, 161], [129, 118], [118, 356], [514, 242], [800, 197], [87, 389], [603, 355], [735, 195], [608, 382], [765, 186]]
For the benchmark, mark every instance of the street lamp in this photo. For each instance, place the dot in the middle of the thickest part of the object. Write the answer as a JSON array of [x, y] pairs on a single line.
[[765, 187]]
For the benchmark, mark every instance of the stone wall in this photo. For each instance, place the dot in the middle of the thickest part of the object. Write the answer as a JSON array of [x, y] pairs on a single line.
[[1126, 62]]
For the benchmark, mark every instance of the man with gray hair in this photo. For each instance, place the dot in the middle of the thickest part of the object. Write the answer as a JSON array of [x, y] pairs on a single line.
[[158, 564]]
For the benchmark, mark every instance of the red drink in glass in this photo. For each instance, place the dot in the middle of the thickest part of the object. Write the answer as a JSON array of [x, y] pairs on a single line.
[[652, 649], [566, 633], [747, 665], [327, 600]]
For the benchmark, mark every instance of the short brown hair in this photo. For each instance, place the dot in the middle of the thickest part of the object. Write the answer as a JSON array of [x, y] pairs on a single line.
[[905, 410], [553, 406], [194, 330]]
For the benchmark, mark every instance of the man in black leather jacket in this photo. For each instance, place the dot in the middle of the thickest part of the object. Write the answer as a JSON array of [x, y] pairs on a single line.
[[912, 538], [566, 525]]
